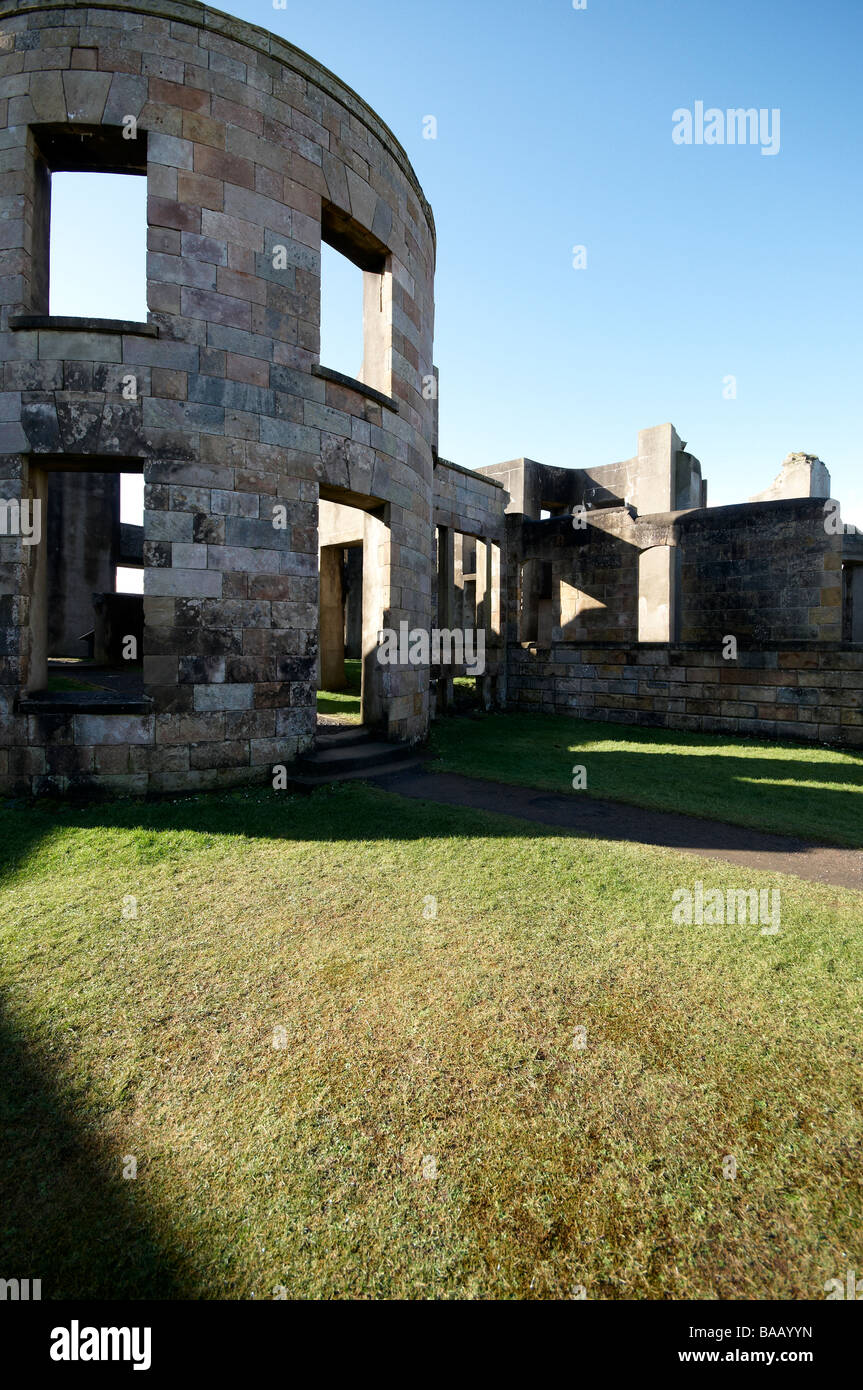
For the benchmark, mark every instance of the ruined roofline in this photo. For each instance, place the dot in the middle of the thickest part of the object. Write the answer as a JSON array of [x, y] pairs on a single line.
[[261, 41], [469, 472]]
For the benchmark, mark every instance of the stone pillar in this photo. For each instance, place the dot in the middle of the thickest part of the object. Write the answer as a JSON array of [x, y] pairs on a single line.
[[353, 576], [528, 625], [36, 561], [377, 680], [496, 637], [445, 576], [483, 616], [445, 606], [657, 605], [495, 599], [483, 564], [855, 593], [656, 470], [458, 581], [332, 630]]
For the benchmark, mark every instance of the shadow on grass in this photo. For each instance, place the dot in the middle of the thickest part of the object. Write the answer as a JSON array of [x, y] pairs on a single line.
[[255, 813], [67, 1217], [64, 1219], [409, 807], [694, 774]]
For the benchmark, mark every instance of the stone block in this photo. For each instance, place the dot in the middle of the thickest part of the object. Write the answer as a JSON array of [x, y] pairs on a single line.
[[85, 95], [184, 583], [208, 698]]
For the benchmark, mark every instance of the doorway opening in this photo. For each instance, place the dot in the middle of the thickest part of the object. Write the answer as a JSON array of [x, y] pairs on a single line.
[[87, 607], [352, 565], [341, 632]]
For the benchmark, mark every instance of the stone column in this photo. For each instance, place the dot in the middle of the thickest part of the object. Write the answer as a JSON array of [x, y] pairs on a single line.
[[657, 605], [36, 563], [656, 470], [354, 602], [377, 680], [332, 630], [445, 606], [483, 564], [484, 615], [528, 624], [855, 592]]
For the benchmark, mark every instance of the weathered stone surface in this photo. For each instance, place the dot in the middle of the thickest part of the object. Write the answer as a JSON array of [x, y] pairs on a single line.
[[86, 94], [802, 475]]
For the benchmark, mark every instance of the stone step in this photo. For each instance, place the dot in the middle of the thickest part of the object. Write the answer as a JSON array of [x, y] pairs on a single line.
[[367, 755], [342, 736], [309, 780]]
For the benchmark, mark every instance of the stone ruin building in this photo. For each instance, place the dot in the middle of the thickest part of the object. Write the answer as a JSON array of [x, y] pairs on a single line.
[[291, 512]]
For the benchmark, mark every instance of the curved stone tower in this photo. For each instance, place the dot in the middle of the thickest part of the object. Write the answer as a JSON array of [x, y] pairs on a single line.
[[253, 153]]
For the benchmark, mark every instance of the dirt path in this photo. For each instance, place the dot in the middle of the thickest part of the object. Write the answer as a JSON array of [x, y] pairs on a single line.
[[613, 820]]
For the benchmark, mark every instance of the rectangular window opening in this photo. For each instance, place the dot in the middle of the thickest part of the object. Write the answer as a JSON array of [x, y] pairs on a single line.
[[342, 292], [128, 580], [356, 301], [98, 246]]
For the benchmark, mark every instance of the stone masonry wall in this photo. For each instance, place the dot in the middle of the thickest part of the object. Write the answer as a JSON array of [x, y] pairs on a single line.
[[765, 572], [784, 692], [468, 502], [250, 146]]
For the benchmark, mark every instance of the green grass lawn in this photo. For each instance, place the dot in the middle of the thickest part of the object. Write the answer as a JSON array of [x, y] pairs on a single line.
[[426, 1125], [799, 789], [344, 703]]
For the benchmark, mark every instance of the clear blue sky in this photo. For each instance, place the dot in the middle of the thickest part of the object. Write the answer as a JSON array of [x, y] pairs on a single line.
[[554, 130]]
